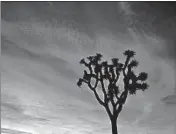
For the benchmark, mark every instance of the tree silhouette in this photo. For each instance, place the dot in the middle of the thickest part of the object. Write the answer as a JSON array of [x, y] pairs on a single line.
[[99, 72]]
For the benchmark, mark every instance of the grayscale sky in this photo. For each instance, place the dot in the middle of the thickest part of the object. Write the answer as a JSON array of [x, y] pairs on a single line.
[[42, 44]]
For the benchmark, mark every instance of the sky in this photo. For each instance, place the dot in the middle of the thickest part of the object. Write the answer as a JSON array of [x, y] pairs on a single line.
[[42, 44]]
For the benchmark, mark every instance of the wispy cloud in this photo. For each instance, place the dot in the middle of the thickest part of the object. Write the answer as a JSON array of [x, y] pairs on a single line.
[[11, 131], [41, 66]]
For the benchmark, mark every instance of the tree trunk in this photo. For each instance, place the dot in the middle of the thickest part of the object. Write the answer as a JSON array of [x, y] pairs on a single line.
[[114, 125]]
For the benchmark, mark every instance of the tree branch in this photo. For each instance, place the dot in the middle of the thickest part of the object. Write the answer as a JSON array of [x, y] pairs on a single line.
[[108, 110], [90, 68], [119, 109], [112, 97], [97, 97], [117, 100], [125, 66], [103, 88], [123, 96], [94, 91]]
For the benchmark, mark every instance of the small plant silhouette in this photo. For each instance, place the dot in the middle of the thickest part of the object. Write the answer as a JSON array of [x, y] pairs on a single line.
[[113, 97]]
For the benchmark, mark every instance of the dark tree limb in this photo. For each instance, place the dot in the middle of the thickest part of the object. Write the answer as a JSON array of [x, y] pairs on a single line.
[[118, 110], [103, 87], [94, 91], [108, 111], [98, 98], [125, 66]]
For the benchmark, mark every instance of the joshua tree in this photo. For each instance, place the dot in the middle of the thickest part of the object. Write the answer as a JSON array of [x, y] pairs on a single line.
[[114, 96]]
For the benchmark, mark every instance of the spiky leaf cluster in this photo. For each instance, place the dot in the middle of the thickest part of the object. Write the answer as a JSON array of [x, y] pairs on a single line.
[[129, 53], [102, 70]]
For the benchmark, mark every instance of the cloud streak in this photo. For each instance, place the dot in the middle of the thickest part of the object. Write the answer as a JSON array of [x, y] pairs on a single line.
[[40, 68]]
